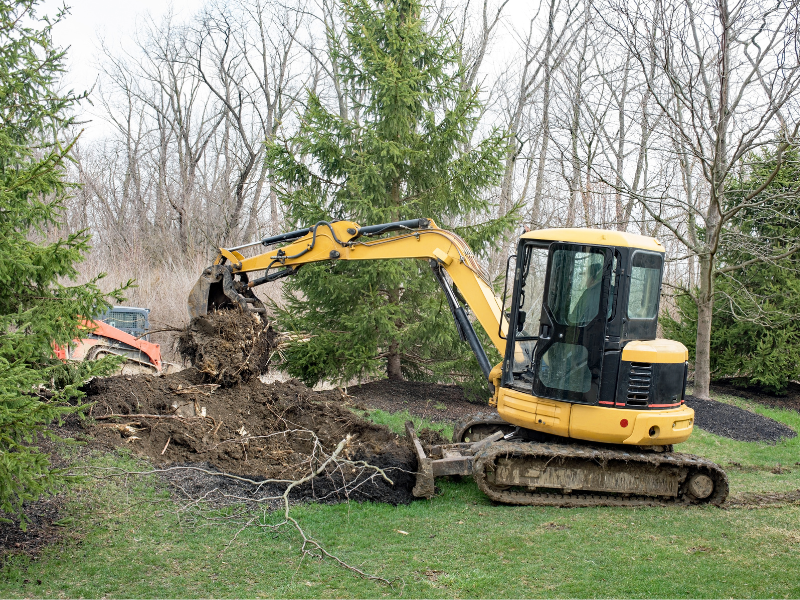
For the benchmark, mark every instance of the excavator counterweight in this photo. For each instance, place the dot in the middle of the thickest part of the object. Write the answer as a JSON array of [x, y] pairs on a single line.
[[589, 403]]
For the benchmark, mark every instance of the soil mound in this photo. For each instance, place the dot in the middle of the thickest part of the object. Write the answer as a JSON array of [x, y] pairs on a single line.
[[735, 423], [281, 431], [228, 346]]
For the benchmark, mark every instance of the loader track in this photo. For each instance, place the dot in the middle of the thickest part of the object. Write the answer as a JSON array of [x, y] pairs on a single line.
[[682, 473]]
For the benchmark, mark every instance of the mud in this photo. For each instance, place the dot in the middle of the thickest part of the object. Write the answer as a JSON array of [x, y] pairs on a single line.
[[254, 430], [757, 500], [229, 346]]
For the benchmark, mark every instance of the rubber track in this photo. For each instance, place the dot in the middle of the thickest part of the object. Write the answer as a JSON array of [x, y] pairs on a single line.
[[484, 418], [684, 462]]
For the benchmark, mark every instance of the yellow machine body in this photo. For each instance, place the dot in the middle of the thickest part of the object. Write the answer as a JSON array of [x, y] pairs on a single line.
[[613, 422]]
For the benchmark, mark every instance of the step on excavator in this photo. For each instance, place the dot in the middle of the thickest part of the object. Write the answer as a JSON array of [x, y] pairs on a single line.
[[589, 404]]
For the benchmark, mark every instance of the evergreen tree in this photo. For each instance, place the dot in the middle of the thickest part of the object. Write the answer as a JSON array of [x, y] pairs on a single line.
[[37, 310], [756, 335], [405, 151]]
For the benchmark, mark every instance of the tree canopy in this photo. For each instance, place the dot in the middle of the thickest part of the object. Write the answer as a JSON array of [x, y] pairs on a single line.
[[756, 336], [38, 309], [405, 148]]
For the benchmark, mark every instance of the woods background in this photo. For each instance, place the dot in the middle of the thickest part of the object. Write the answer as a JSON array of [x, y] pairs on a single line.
[[653, 119]]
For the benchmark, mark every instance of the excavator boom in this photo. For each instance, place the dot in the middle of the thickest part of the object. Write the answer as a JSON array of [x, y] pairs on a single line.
[[345, 240]]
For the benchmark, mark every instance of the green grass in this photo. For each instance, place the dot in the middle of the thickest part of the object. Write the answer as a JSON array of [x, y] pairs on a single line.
[[397, 422], [127, 541], [749, 464]]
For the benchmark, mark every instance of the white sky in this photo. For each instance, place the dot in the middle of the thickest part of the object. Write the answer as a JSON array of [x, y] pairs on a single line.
[[115, 22], [92, 20]]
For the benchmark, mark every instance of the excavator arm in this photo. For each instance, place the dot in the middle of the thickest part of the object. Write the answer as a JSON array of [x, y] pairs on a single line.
[[346, 240]]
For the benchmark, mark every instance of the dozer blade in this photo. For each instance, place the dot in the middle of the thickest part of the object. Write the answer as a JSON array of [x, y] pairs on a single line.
[[217, 289], [448, 459]]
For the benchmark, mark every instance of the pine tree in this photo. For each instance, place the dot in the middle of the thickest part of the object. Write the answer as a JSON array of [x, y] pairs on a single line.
[[37, 309], [406, 150]]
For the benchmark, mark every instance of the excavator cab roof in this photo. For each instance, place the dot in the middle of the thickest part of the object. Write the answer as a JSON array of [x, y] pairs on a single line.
[[599, 237]]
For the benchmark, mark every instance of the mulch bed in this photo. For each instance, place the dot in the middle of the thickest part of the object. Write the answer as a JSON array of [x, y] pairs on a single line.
[[39, 532], [736, 423], [790, 400], [431, 401], [41, 515], [426, 401]]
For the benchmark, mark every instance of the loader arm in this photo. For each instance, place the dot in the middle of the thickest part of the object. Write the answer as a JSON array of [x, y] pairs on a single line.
[[346, 240]]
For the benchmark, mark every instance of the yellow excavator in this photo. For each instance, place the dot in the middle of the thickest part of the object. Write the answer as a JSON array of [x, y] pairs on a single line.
[[588, 402]]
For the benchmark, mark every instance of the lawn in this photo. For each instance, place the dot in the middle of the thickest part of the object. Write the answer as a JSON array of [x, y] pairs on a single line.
[[125, 538]]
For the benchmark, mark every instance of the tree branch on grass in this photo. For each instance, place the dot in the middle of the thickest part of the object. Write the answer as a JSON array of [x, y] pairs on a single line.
[[326, 464]]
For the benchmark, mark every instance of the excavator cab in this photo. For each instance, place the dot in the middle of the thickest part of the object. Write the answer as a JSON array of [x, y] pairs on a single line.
[[582, 326]]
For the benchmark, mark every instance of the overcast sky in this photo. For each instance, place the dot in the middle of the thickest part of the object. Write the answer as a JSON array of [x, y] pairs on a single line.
[[89, 20], [115, 22], [112, 20]]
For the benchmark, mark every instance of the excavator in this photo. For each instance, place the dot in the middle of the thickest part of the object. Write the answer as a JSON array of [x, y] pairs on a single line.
[[589, 403]]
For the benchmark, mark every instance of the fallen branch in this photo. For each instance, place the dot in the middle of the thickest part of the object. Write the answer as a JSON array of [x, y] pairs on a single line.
[[310, 546], [138, 416], [138, 337], [204, 388]]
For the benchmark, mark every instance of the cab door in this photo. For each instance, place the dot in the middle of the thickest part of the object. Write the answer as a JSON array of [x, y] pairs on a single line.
[[569, 354]]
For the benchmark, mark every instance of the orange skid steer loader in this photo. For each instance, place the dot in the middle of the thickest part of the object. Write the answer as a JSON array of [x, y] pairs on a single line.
[[122, 331]]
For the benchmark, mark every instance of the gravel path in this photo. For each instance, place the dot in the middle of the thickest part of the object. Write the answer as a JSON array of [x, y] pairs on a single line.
[[735, 423]]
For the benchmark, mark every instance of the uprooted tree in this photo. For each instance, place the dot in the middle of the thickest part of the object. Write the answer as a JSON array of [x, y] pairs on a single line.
[[404, 145], [37, 310]]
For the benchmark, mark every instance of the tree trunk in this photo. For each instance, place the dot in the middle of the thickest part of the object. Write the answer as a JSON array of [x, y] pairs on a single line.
[[393, 362], [705, 304]]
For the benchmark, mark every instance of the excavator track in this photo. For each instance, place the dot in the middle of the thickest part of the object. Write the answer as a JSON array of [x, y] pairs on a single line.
[[476, 427], [543, 474]]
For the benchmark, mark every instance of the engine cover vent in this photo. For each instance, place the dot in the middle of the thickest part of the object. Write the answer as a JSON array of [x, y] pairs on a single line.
[[639, 384]]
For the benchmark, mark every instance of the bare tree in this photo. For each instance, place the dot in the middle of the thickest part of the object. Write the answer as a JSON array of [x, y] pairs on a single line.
[[246, 58], [724, 78]]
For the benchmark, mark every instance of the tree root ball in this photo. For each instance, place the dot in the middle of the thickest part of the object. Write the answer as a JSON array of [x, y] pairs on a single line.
[[229, 347]]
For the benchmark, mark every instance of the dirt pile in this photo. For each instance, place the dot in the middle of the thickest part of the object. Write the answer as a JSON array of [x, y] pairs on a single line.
[[279, 431], [229, 346]]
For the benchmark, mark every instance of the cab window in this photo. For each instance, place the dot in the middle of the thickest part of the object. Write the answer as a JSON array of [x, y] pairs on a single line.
[[575, 286], [612, 294], [645, 285]]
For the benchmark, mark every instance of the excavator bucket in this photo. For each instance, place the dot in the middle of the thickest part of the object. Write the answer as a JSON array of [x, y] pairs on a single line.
[[198, 297], [217, 289], [197, 302]]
